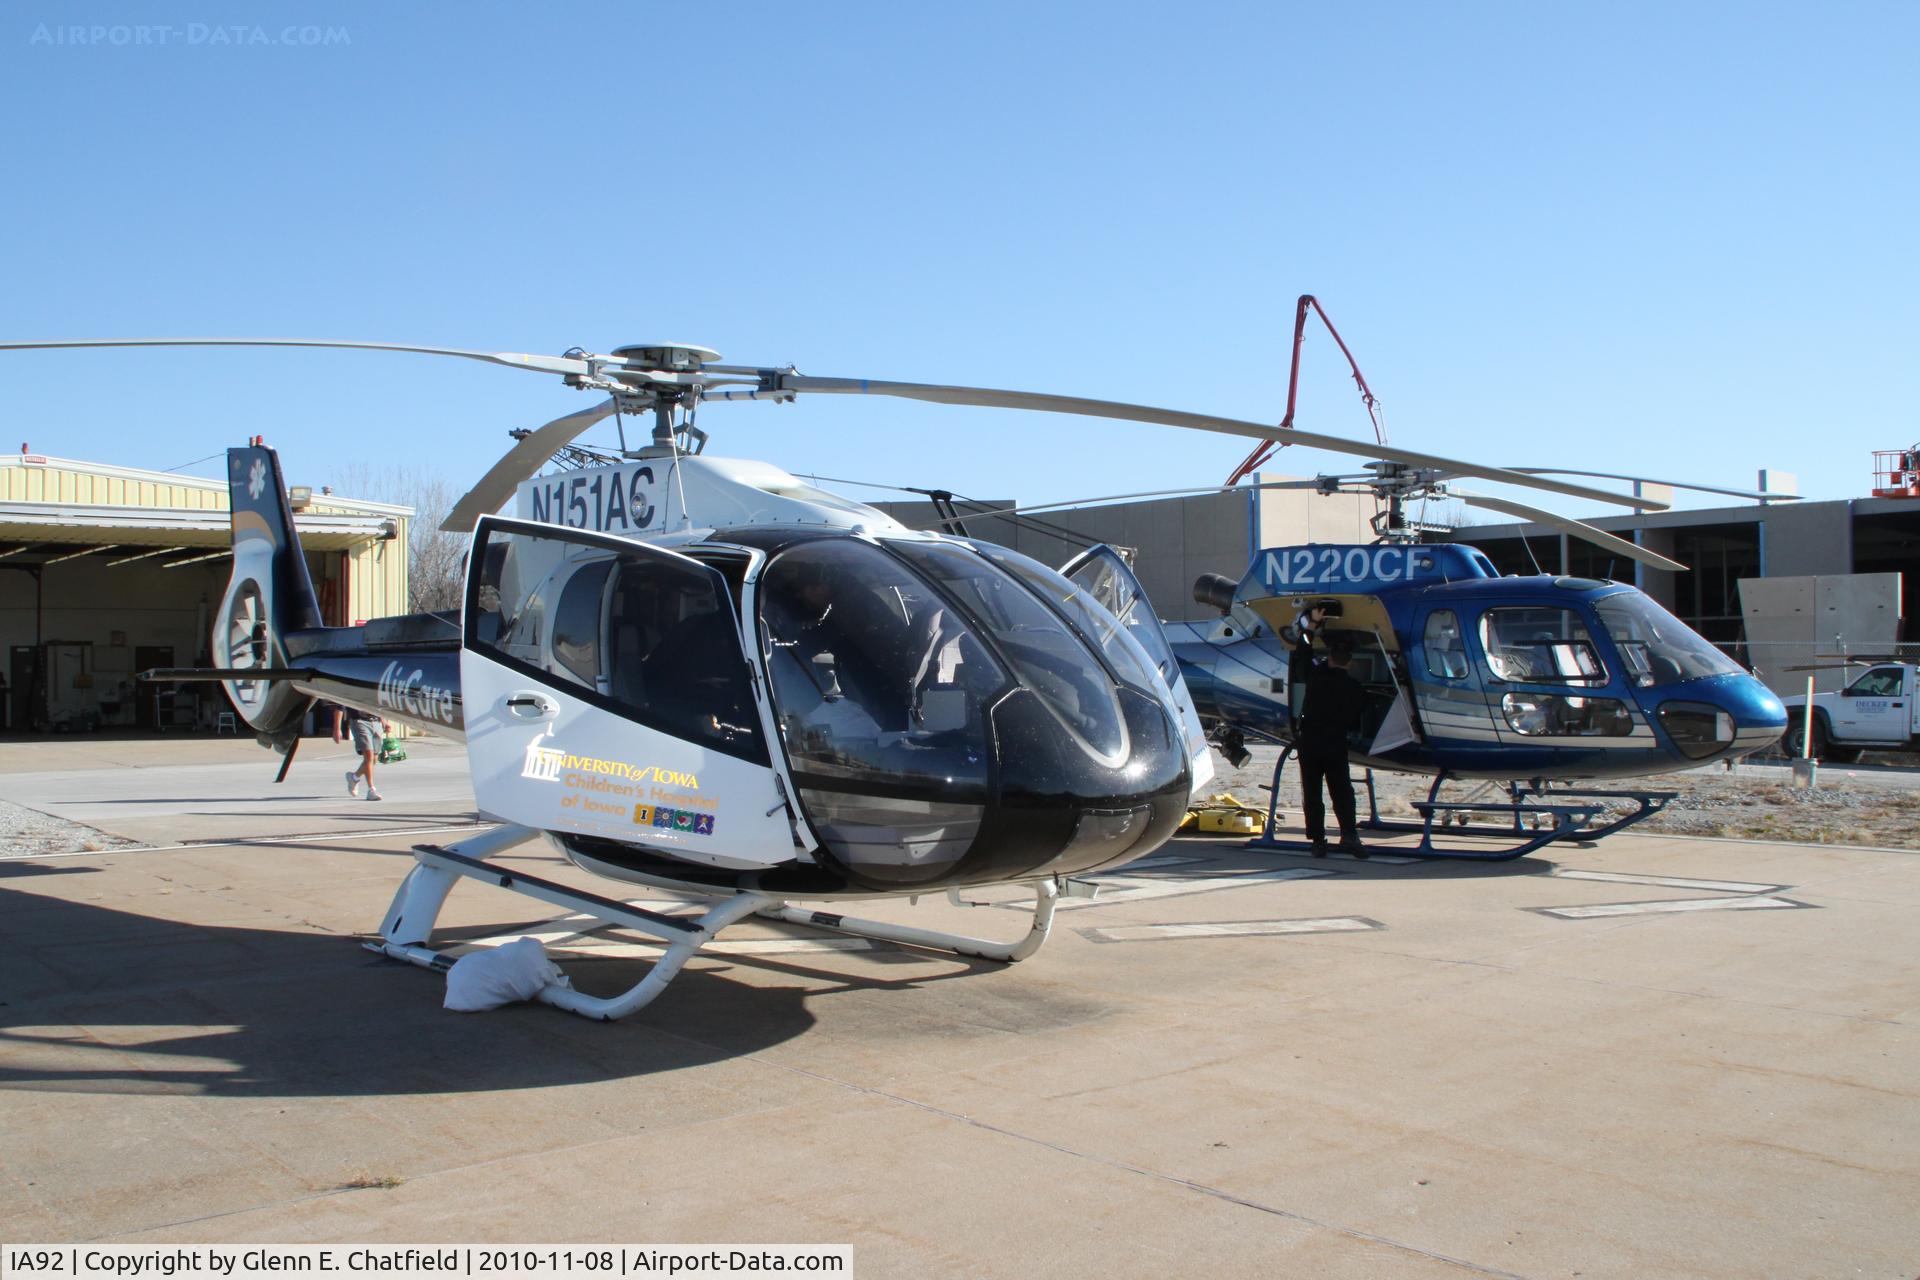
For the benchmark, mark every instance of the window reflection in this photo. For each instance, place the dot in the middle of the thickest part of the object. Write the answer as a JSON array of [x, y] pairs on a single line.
[[1557, 715], [576, 624]]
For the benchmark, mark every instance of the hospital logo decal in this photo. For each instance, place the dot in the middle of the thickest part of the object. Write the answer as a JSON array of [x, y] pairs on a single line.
[[543, 763], [257, 479], [647, 815]]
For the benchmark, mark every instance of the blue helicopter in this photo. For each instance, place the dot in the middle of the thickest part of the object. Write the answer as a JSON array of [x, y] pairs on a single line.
[[1543, 683]]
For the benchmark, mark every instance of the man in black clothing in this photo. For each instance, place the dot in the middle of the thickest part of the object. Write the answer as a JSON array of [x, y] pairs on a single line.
[[1334, 703]]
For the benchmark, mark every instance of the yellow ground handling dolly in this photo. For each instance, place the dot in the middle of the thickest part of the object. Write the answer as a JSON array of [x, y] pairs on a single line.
[[1224, 814]]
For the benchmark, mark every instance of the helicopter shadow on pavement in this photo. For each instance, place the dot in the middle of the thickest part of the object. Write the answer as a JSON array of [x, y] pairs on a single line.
[[99, 1000], [1226, 856]]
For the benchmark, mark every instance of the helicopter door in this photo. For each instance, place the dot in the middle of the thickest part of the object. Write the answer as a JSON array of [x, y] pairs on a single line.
[[608, 694], [1102, 574]]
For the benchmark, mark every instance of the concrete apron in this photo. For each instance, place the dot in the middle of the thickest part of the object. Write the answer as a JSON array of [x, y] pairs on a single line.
[[1382, 1069]]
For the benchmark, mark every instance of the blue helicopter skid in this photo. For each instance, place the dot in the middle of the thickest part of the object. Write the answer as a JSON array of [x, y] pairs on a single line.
[[1572, 810]]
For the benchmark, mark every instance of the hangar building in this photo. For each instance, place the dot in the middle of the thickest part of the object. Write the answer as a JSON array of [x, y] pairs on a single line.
[[106, 571]]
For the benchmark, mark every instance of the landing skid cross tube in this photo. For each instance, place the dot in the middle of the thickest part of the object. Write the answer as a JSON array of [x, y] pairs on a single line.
[[407, 929], [1573, 810]]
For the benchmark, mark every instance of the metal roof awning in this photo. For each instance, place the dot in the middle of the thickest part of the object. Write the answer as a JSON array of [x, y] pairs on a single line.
[[24, 524]]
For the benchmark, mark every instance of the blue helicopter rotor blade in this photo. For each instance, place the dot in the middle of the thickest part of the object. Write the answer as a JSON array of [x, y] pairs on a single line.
[[992, 398], [1566, 524]]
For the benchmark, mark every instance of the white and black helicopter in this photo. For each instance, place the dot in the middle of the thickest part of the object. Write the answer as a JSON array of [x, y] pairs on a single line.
[[708, 676]]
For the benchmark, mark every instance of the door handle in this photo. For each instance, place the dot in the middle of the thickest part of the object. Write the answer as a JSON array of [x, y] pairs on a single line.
[[531, 706]]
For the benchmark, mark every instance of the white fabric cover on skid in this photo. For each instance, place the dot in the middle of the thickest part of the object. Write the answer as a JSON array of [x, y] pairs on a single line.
[[493, 976]]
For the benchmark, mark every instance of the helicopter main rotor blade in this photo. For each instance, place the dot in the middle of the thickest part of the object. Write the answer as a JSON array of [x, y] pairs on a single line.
[[1314, 485], [511, 359], [990, 398], [1756, 494], [1566, 524], [521, 462]]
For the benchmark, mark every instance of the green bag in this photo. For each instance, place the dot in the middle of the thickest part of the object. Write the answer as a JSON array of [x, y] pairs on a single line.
[[392, 749]]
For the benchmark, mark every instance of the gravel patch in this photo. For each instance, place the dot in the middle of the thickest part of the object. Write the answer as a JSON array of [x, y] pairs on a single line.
[[25, 831], [1875, 805]]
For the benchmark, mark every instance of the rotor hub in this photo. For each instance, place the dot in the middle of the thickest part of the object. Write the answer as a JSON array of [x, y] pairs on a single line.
[[667, 357]]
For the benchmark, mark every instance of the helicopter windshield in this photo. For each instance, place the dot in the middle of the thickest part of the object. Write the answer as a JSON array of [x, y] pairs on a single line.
[[1116, 594], [882, 691], [1044, 652], [1657, 647]]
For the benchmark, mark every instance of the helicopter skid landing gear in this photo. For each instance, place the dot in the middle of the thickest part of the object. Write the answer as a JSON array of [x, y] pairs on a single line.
[[1570, 813], [1046, 894], [424, 892], [409, 922]]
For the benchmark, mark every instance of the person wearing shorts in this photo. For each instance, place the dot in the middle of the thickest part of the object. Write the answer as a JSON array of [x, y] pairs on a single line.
[[366, 732]]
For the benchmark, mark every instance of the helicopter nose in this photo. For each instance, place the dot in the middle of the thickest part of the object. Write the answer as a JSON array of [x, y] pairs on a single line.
[[1063, 809], [1724, 716]]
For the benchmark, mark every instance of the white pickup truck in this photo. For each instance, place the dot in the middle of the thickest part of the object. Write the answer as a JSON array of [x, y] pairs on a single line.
[[1878, 709]]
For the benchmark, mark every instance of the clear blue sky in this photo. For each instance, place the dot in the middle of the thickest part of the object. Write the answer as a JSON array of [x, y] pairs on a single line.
[[1669, 238]]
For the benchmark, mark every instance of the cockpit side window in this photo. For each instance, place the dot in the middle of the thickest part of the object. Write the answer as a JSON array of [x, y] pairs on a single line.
[[650, 638], [1444, 647], [1540, 644]]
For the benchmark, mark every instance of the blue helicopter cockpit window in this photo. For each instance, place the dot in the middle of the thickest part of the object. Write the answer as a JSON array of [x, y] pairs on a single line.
[[882, 692], [1657, 647], [1049, 658], [1540, 645], [1446, 651]]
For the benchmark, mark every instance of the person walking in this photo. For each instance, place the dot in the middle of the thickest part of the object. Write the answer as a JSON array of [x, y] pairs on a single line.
[[1333, 706], [366, 731]]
